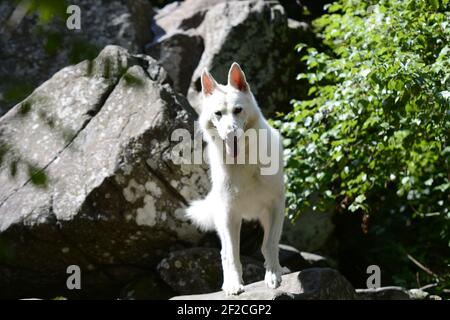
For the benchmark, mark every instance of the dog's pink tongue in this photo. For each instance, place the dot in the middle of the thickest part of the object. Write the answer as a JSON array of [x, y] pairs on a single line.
[[231, 146]]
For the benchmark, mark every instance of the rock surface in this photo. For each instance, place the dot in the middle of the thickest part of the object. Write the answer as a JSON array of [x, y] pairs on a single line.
[[297, 260], [146, 287], [394, 293], [199, 270], [33, 51], [314, 283], [384, 293], [312, 231], [87, 176], [197, 34]]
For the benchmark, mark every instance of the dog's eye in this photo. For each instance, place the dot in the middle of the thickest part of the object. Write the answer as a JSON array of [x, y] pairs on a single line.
[[218, 113], [237, 110]]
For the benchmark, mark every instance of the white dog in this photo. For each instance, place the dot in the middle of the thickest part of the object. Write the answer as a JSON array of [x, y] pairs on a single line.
[[239, 190]]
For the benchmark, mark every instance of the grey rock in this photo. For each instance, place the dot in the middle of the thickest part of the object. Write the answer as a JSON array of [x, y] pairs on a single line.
[[292, 259], [312, 231], [318, 261], [315, 283], [420, 294], [324, 284], [148, 287], [199, 270], [297, 260], [141, 16], [214, 33], [180, 54], [87, 175], [394, 293], [383, 293], [33, 51]]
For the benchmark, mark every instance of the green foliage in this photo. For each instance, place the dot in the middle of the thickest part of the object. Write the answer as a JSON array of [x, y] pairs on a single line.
[[374, 133], [37, 176], [46, 9], [17, 90]]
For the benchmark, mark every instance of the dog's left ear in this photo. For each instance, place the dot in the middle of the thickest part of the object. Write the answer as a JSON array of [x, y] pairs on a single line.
[[236, 78]]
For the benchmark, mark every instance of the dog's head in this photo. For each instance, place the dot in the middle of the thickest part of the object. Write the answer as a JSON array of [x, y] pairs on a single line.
[[228, 109]]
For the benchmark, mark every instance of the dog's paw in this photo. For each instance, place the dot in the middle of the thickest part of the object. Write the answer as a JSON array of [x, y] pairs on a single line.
[[273, 278], [232, 287]]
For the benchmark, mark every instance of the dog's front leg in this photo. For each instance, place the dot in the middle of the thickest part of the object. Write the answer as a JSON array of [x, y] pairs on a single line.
[[228, 228], [272, 223]]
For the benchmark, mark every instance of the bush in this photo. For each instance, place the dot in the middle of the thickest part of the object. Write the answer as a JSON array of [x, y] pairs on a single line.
[[373, 134]]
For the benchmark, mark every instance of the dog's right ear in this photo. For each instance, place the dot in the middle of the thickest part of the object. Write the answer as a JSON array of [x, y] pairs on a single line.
[[208, 83]]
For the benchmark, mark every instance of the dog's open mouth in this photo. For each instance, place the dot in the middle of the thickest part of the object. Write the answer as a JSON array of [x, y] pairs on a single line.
[[231, 146]]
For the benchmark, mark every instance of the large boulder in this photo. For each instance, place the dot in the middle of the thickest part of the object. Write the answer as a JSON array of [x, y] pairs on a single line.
[[147, 287], [294, 260], [87, 176], [33, 51], [383, 293], [314, 283], [313, 230], [197, 34], [199, 270]]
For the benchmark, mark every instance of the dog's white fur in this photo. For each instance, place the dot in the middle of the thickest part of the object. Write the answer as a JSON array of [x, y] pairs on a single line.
[[239, 191]]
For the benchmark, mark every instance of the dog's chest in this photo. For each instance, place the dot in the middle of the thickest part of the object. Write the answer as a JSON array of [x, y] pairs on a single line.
[[250, 194], [246, 183]]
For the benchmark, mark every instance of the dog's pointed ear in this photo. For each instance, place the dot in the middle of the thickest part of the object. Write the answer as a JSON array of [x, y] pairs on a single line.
[[208, 83], [236, 78]]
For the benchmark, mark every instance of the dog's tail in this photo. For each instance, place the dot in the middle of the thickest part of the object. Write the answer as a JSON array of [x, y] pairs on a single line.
[[200, 212]]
